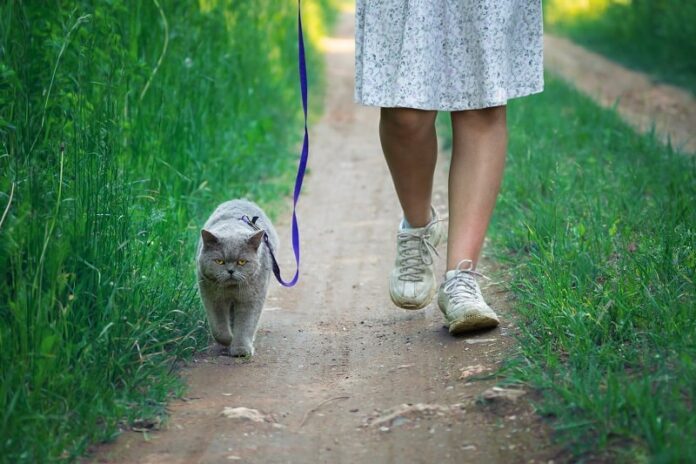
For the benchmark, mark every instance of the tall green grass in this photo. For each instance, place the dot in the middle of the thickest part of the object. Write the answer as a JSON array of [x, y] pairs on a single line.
[[122, 125], [597, 227], [655, 36]]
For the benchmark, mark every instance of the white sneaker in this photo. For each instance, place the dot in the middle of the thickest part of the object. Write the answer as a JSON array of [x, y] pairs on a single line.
[[412, 282], [461, 302]]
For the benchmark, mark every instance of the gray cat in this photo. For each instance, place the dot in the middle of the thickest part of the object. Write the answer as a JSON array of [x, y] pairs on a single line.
[[234, 267]]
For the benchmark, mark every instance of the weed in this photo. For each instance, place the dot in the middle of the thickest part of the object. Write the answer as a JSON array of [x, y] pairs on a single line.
[[122, 125], [597, 227]]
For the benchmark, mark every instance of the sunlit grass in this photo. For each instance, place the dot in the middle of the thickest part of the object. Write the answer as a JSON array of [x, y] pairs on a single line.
[[569, 10], [657, 37]]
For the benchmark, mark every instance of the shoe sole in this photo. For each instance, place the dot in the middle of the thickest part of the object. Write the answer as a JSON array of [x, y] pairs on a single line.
[[472, 323], [414, 306]]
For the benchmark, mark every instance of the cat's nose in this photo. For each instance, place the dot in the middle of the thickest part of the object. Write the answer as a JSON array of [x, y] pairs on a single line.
[[231, 271]]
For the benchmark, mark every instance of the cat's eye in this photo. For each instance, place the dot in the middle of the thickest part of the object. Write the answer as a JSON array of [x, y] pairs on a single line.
[[219, 261], [241, 262]]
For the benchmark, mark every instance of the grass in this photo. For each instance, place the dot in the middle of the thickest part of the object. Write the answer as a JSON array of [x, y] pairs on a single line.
[[122, 125], [597, 228], [657, 37]]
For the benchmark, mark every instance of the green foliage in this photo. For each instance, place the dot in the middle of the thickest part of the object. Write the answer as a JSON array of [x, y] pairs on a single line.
[[597, 226], [122, 125], [656, 36]]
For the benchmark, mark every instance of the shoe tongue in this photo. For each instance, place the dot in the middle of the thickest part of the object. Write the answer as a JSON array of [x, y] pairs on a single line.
[[413, 230], [404, 225], [450, 274]]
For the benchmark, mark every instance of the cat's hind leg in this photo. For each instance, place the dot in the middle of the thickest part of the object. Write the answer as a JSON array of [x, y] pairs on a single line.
[[218, 312], [246, 320]]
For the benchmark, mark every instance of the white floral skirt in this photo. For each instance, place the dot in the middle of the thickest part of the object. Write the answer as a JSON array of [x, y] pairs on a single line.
[[447, 55]]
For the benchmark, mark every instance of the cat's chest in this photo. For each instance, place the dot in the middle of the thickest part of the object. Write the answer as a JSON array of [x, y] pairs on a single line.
[[241, 293]]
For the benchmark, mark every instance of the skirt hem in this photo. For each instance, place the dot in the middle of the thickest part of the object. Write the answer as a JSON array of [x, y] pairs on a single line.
[[457, 106]]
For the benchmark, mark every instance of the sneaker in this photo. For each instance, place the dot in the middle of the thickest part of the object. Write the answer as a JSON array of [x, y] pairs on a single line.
[[412, 282], [461, 302]]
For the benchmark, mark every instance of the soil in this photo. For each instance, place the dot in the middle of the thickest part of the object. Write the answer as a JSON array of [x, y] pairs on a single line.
[[640, 101], [340, 374]]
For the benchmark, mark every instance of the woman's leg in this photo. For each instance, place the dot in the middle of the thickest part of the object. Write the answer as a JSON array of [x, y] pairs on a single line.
[[409, 143], [410, 147], [479, 145]]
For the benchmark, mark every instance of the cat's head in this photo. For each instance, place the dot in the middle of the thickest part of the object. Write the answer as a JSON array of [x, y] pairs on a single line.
[[230, 260]]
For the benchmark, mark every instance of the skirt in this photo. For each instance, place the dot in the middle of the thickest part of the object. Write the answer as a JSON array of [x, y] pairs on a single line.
[[447, 55]]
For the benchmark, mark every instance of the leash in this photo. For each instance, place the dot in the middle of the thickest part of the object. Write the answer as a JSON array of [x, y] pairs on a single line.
[[301, 168]]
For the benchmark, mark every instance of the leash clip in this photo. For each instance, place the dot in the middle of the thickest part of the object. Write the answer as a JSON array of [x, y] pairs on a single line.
[[274, 262], [251, 222]]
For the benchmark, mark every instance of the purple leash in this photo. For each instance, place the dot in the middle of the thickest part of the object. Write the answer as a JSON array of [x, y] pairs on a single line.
[[300, 169]]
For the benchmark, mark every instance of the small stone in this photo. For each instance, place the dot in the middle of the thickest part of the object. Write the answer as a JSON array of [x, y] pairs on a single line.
[[473, 341], [469, 371], [505, 394], [243, 413], [399, 421], [146, 425]]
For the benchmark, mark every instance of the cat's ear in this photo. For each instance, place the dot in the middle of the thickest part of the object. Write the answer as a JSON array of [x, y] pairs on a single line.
[[255, 239], [209, 239]]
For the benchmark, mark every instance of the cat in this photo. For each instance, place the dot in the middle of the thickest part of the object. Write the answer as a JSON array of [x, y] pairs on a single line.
[[234, 267]]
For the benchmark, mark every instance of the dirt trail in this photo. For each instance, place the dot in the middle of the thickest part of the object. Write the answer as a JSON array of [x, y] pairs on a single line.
[[639, 100], [333, 353]]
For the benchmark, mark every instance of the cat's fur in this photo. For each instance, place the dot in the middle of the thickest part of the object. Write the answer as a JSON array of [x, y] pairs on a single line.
[[233, 294]]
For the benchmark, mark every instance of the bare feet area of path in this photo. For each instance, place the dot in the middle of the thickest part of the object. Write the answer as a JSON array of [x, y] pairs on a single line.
[[340, 374], [641, 102]]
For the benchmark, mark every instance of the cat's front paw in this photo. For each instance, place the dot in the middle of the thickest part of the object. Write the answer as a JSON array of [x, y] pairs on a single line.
[[241, 350]]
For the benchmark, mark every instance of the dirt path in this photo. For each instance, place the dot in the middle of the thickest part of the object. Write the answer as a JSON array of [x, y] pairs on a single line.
[[334, 356], [640, 101]]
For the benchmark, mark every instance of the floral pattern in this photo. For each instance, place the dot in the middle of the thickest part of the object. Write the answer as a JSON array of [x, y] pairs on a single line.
[[447, 55]]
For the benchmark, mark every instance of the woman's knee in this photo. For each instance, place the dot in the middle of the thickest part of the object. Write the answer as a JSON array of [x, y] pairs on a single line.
[[407, 122], [480, 118]]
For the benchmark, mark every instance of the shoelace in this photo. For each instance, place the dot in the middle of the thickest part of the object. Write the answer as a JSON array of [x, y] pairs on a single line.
[[463, 286], [416, 252]]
